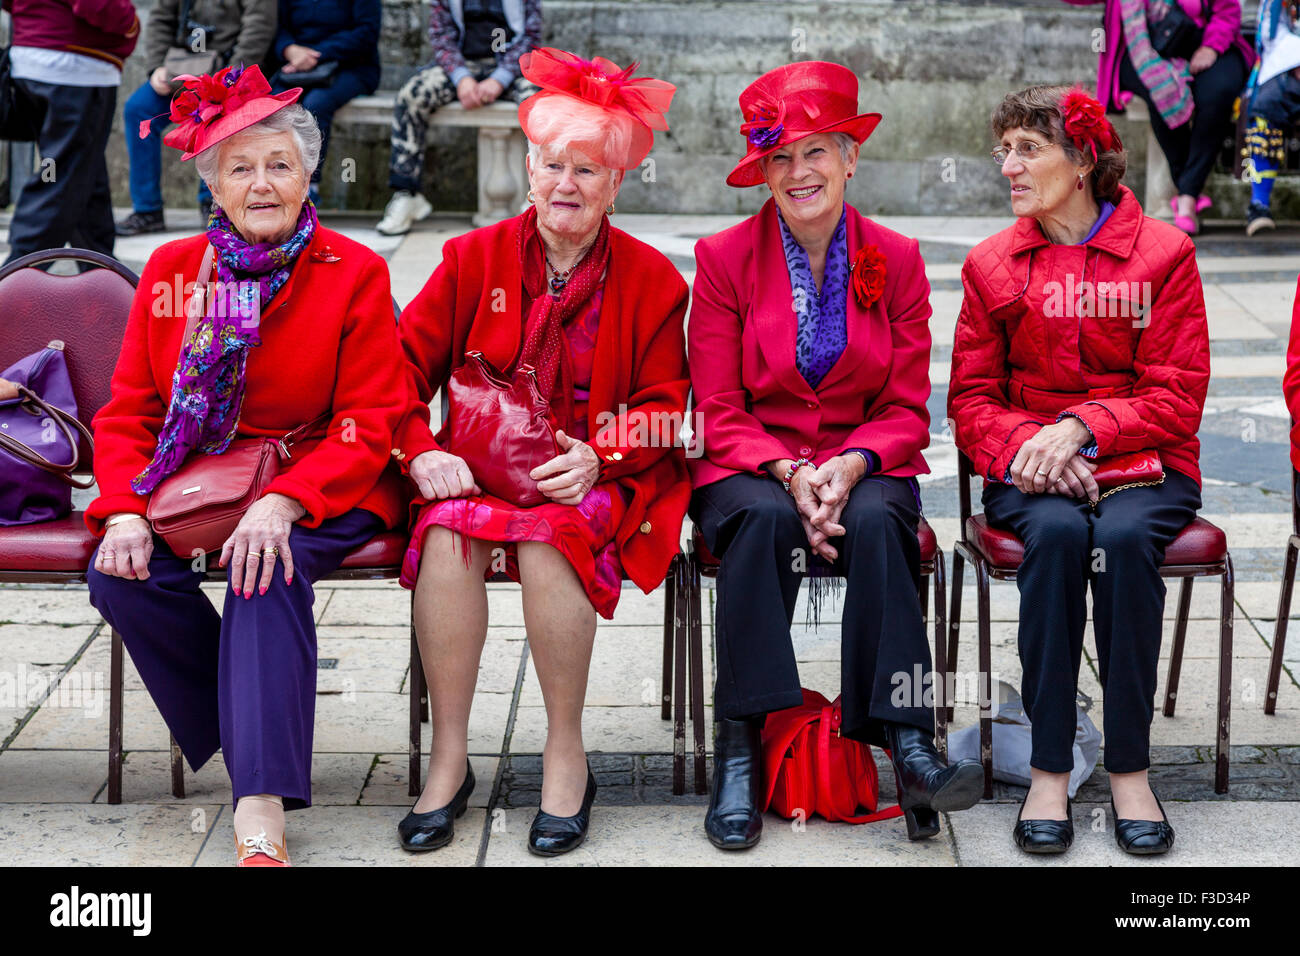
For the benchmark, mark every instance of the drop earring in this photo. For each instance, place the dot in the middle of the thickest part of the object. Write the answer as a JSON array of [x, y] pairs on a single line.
[[1080, 185]]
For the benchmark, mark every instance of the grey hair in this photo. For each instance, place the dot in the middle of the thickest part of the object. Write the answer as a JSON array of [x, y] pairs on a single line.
[[291, 119], [844, 140]]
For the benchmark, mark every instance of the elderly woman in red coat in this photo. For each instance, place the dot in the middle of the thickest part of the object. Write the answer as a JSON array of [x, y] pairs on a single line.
[[809, 348], [298, 329], [1082, 337], [600, 316]]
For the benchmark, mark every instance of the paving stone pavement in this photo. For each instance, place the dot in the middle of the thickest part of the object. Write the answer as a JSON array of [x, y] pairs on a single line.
[[54, 660]]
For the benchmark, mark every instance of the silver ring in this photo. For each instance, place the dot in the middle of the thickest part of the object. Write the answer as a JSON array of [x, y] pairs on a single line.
[[1044, 473]]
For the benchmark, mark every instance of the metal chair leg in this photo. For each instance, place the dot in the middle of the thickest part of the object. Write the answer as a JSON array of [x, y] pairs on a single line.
[[696, 638], [413, 684], [681, 626], [178, 767], [985, 682], [1221, 747], [954, 617], [940, 660], [666, 685], [1176, 652], [1279, 630], [115, 719]]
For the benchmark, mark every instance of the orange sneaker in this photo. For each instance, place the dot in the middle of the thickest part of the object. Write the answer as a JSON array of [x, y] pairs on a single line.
[[260, 851]]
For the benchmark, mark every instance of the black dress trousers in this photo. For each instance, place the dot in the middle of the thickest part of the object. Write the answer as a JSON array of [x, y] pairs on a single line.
[[1118, 549], [751, 525]]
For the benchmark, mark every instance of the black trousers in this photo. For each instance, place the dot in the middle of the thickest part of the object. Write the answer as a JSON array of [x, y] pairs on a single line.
[[67, 199], [753, 528], [1192, 147], [1118, 549]]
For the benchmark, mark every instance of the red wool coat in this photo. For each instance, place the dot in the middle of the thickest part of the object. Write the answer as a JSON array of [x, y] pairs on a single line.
[[1291, 381], [329, 344], [474, 301], [1130, 356], [751, 403]]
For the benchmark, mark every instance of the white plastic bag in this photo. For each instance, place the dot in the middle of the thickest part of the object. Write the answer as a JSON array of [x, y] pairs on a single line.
[[1012, 743]]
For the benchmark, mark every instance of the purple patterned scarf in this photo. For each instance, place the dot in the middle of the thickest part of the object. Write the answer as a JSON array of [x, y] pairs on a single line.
[[823, 332], [208, 384]]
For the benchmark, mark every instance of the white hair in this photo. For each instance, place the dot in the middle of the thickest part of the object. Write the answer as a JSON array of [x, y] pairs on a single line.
[[291, 119]]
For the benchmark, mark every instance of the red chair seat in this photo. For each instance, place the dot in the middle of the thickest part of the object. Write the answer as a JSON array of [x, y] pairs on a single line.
[[924, 533], [63, 546], [385, 550], [1201, 542]]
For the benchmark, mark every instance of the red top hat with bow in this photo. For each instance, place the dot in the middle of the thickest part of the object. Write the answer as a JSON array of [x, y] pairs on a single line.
[[209, 108], [794, 101]]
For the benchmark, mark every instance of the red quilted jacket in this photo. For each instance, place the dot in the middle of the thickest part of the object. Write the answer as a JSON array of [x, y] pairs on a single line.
[[1112, 331]]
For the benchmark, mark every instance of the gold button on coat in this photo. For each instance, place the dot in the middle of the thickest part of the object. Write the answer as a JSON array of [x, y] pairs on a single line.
[[645, 527]]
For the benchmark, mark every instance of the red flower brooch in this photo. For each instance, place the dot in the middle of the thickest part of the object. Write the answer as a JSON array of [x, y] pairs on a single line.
[[1086, 124], [868, 275]]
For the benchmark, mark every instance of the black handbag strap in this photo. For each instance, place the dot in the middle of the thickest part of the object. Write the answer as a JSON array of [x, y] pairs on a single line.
[[182, 37], [67, 424]]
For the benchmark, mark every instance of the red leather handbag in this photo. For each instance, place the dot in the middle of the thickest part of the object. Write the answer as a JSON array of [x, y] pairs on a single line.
[[809, 768], [500, 427], [1138, 469]]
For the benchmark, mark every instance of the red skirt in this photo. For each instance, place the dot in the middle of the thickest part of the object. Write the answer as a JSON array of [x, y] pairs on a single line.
[[583, 533]]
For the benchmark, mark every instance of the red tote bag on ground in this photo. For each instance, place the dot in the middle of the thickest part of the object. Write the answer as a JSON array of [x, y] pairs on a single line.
[[809, 767]]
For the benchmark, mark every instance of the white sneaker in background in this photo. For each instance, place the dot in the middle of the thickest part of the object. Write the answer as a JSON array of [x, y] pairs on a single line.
[[404, 210]]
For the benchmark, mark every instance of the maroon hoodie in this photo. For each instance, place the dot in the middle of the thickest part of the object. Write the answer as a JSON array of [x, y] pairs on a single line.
[[104, 29]]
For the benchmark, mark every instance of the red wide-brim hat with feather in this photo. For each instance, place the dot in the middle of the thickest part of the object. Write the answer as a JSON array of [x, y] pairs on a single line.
[[210, 108], [795, 101], [602, 84]]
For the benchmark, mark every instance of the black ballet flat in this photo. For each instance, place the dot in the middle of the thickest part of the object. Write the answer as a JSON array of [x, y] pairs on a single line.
[[436, 828], [551, 835], [1045, 836], [1143, 837]]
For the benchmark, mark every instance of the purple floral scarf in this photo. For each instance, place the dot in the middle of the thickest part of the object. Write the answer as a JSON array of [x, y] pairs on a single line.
[[208, 384]]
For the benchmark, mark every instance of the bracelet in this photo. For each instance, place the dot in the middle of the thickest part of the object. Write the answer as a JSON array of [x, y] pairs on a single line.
[[789, 475], [118, 519]]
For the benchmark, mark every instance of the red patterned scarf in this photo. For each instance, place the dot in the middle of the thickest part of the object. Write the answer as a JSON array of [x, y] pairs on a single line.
[[544, 344]]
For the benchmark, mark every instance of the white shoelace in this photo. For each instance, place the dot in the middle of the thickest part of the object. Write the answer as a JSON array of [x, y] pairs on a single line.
[[262, 844]]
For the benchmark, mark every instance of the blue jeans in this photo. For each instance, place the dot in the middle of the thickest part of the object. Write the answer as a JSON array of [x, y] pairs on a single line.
[[146, 154]]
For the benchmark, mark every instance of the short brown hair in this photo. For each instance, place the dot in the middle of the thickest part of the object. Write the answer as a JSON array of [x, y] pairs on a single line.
[[1039, 109]]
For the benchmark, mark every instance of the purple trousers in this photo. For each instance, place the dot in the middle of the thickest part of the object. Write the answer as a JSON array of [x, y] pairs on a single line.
[[243, 681]]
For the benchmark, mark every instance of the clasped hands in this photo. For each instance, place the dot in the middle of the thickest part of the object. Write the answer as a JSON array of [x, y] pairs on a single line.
[[565, 479], [820, 494], [1050, 463]]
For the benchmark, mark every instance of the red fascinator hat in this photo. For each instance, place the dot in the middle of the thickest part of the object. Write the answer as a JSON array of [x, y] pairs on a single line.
[[207, 109], [794, 101], [593, 105], [1087, 125]]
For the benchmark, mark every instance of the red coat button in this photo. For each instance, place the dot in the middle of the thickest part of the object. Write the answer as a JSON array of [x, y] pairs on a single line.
[[805, 451]]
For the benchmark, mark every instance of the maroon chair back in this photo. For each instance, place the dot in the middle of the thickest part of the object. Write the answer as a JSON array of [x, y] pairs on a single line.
[[88, 311]]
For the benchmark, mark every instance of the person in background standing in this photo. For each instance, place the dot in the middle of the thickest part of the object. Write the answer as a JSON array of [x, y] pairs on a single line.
[[179, 36], [1272, 101], [66, 56]]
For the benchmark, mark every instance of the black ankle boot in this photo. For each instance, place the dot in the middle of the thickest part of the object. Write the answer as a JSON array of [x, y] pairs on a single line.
[[734, 821], [926, 785]]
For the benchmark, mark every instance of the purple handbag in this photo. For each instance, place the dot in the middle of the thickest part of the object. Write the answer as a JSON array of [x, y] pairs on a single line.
[[38, 440]]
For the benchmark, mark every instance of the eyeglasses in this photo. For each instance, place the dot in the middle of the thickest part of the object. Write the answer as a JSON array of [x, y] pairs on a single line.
[[1027, 150]]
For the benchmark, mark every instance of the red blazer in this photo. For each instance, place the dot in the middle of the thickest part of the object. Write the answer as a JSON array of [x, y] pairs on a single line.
[[474, 301], [1132, 363], [329, 344], [1291, 381], [751, 403]]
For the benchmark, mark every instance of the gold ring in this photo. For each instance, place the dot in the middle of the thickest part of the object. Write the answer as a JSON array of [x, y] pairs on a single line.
[[271, 551]]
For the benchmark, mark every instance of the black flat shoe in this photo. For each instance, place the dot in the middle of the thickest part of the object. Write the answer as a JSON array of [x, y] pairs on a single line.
[[1045, 836], [733, 820], [434, 829], [551, 835], [926, 785], [1143, 837]]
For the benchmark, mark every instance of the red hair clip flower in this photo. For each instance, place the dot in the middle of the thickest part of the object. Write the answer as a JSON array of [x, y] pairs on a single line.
[[868, 272], [1086, 124]]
